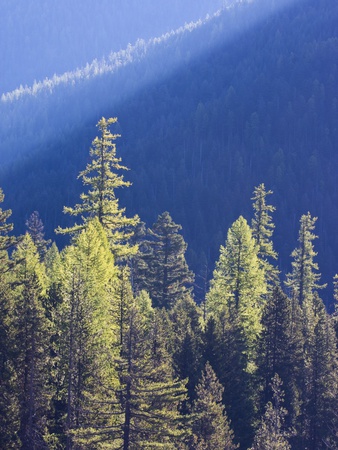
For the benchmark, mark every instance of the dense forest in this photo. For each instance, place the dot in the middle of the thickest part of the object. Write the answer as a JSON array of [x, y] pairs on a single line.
[[205, 114], [53, 38], [103, 345], [176, 286]]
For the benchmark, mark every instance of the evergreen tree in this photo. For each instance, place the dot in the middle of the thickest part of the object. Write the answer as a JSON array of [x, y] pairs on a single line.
[[240, 389], [211, 428], [303, 281], [274, 342], [9, 412], [87, 339], [187, 342], [281, 351], [238, 282], [271, 433], [36, 229], [31, 332], [150, 396], [321, 376], [262, 230], [166, 276], [101, 175], [6, 241]]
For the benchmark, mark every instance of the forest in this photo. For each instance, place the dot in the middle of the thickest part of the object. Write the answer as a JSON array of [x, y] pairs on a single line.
[[206, 114], [104, 346]]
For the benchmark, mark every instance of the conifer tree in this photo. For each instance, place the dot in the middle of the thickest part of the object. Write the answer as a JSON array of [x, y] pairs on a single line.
[[102, 177], [240, 390], [275, 337], [36, 229], [272, 434], [238, 282], [321, 376], [262, 231], [9, 417], [6, 241], [211, 428], [150, 395], [166, 276], [281, 350], [88, 338], [303, 281], [187, 341], [31, 331]]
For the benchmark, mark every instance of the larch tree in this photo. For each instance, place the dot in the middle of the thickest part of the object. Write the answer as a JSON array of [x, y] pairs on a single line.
[[103, 178], [9, 417], [6, 241], [31, 332], [210, 425], [262, 231], [239, 283], [303, 281], [87, 340]]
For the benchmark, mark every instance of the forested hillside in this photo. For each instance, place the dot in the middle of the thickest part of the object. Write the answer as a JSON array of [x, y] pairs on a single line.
[[103, 346], [41, 38], [258, 104]]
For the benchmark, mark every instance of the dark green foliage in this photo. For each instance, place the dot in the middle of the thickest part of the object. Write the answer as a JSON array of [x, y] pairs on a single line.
[[149, 395], [6, 241], [303, 281], [259, 106], [281, 350], [271, 433], [36, 229], [187, 344], [321, 377], [31, 333], [211, 429], [164, 273], [262, 230], [240, 390]]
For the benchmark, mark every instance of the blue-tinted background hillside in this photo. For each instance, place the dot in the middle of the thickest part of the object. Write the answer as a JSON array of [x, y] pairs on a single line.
[[41, 37], [249, 96]]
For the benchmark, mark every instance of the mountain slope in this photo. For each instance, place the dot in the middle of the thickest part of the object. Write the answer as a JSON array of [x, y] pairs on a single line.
[[259, 106]]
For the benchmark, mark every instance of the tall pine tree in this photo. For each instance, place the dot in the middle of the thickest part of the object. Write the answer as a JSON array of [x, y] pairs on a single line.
[[211, 428], [102, 177], [303, 281], [262, 231], [239, 283], [165, 274]]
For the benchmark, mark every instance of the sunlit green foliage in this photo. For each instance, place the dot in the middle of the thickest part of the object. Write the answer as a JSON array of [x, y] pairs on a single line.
[[87, 339], [239, 283], [303, 281], [102, 177], [262, 230]]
